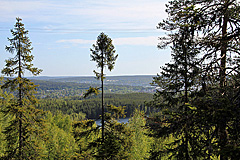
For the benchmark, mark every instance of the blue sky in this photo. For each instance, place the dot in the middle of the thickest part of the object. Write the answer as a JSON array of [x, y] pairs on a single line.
[[63, 31]]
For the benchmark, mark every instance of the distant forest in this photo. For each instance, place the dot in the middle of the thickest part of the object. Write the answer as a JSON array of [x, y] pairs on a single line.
[[92, 106], [66, 94]]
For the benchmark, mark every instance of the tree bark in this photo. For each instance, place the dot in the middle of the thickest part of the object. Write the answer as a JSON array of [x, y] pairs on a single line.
[[222, 125]]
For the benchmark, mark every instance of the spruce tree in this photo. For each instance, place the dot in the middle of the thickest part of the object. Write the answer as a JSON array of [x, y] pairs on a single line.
[[178, 81], [25, 123]]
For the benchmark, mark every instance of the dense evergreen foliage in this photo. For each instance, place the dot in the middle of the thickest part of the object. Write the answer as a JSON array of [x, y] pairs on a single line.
[[92, 106], [25, 125], [197, 92]]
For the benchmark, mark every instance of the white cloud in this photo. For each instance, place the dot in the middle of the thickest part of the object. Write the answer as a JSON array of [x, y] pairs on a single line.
[[123, 14], [87, 13], [10, 9], [76, 41], [143, 41]]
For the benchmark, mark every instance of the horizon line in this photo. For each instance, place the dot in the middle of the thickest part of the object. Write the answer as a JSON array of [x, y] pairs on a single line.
[[92, 75]]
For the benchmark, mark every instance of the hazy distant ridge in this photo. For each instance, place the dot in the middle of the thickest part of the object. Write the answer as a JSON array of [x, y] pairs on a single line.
[[138, 80]]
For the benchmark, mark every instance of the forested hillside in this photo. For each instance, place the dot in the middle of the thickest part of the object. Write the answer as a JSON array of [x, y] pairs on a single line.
[[92, 106]]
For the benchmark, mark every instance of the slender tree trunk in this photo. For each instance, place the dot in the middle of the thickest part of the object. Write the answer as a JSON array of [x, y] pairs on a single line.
[[186, 140], [223, 53], [20, 103], [185, 77], [102, 67], [222, 125], [186, 101], [102, 115]]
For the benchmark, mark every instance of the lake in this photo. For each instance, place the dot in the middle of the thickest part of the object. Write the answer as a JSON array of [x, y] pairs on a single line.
[[121, 120]]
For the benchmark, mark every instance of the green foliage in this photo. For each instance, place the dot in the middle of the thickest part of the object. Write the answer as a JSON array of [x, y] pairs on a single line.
[[60, 143], [117, 138], [158, 148], [117, 142], [26, 123], [195, 90], [77, 86], [85, 132], [103, 54], [4, 120], [20, 44], [90, 91], [77, 116], [177, 82], [117, 112], [198, 96], [92, 105], [141, 144]]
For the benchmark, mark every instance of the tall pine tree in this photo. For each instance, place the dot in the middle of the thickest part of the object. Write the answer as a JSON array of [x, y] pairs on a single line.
[[103, 54]]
